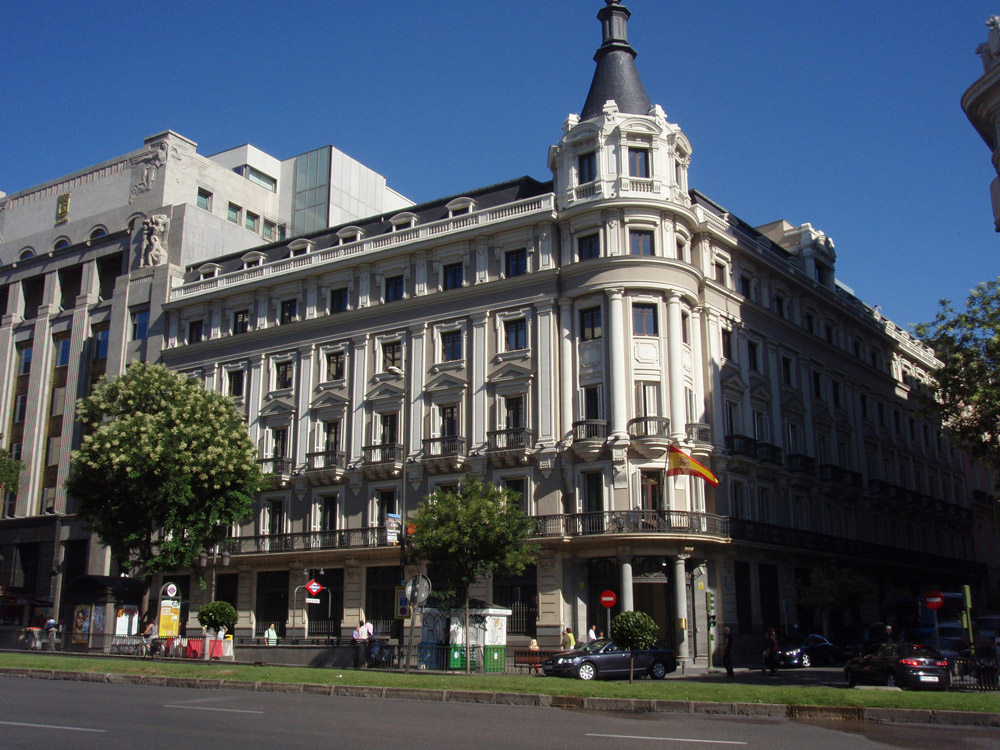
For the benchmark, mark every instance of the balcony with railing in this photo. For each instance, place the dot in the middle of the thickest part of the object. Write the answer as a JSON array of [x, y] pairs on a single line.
[[444, 454], [741, 445], [699, 433], [800, 463], [768, 453], [278, 468], [650, 436], [511, 446], [589, 436], [326, 466], [382, 461], [668, 523]]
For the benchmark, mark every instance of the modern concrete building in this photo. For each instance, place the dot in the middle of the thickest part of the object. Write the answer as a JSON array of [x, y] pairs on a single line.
[[86, 263], [559, 338], [982, 106]]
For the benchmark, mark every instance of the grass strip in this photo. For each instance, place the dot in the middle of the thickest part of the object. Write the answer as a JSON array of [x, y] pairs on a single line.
[[724, 691]]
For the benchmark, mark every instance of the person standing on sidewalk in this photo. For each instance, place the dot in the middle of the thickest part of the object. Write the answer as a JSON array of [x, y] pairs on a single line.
[[727, 651]]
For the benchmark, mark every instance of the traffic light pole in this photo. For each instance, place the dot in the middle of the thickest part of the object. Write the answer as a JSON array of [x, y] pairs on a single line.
[[710, 615]]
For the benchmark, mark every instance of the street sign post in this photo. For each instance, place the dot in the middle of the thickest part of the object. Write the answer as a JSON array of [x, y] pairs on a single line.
[[934, 600]]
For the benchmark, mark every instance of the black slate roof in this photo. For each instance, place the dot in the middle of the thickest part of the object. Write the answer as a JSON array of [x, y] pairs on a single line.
[[616, 76]]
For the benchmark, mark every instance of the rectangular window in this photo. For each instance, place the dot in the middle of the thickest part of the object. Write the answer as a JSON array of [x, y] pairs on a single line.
[[52, 451], [393, 288], [593, 492], [590, 323], [451, 346], [685, 328], [252, 221], [515, 262], [204, 199], [513, 412], [331, 436], [270, 229], [385, 504], [453, 276], [651, 490], [140, 324], [235, 378], [233, 213], [338, 300], [101, 344], [284, 373], [836, 393], [289, 309], [389, 426], [61, 352], [761, 427], [259, 178], [516, 334], [392, 355], [279, 442], [449, 420], [241, 321], [720, 273], [328, 513], [20, 407], [518, 487], [644, 320], [640, 242], [58, 401], [753, 355], [196, 329], [335, 365], [786, 371], [745, 286], [817, 385], [24, 360], [587, 167], [779, 305], [588, 247], [592, 402], [638, 162], [727, 343]]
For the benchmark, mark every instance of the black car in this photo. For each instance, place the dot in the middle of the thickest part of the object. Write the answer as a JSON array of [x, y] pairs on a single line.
[[602, 658], [902, 664], [806, 651]]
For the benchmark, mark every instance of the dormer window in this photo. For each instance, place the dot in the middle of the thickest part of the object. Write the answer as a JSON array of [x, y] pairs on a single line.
[[349, 234], [405, 220], [460, 206], [300, 247], [253, 260], [208, 271]]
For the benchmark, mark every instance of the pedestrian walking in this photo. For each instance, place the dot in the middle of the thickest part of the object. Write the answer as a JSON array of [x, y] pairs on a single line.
[[592, 634], [727, 651], [770, 654], [271, 635], [568, 640]]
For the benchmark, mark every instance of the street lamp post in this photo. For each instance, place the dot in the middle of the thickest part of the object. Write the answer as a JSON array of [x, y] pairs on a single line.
[[203, 563]]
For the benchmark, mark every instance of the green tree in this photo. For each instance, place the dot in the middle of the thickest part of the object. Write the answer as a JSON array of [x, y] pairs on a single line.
[[10, 473], [966, 387], [163, 469], [468, 533], [631, 631], [215, 615]]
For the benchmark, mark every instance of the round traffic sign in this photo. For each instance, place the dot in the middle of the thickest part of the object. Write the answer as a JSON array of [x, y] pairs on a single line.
[[934, 599], [418, 589], [608, 598]]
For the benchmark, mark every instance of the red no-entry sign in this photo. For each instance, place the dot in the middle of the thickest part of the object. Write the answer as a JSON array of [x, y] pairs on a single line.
[[934, 599], [608, 598], [313, 587]]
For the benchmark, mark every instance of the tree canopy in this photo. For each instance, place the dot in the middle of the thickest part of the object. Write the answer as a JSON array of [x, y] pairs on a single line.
[[633, 630], [163, 469], [10, 473], [469, 532], [966, 387]]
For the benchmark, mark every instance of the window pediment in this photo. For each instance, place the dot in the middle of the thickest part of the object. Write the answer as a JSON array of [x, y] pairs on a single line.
[[277, 409], [385, 392], [446, 386]]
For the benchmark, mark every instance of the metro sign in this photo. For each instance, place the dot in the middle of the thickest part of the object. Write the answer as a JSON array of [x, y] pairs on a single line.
[[313, 587]]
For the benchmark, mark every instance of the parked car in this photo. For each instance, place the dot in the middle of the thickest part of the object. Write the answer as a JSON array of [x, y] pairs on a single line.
[[902, 664], [603, 658], [806, 651]]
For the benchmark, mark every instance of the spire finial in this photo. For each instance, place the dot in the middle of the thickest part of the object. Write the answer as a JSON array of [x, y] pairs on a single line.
[[616, 76]]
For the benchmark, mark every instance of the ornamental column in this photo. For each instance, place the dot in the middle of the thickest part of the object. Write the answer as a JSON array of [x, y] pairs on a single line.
[[566, 370], [675, 366], [626, 583], [617, 372], [680, 606]]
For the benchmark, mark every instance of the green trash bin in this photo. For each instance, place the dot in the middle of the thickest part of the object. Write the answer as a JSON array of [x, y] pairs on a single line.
[[495, 658], [456, 657]]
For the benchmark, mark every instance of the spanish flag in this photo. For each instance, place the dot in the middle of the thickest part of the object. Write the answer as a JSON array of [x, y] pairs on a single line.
[[681, 463]]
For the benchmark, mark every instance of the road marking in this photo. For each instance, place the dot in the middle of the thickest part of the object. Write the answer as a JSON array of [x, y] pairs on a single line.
[[206, 708], [666, 739], [51, 726]]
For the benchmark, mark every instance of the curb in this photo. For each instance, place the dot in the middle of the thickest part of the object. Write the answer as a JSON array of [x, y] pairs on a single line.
[[619, 705]]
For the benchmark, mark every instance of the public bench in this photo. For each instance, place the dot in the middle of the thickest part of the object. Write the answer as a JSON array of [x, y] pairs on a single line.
[[525, 657]]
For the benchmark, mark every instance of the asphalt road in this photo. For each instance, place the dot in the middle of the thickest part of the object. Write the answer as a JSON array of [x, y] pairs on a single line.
[[70, 715]]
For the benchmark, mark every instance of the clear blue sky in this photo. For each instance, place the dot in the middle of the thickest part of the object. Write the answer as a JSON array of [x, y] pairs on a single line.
[[843, 114]]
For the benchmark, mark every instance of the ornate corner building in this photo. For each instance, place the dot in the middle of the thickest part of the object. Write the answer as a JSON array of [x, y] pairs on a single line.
[[558, 338]]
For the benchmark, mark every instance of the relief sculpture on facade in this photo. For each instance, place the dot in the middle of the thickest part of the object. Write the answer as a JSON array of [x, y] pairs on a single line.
[[153, 251], [149, 163]]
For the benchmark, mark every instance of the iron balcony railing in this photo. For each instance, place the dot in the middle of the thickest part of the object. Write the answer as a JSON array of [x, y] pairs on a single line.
[[649, 427], [741, 445], [383, 454], [578, 524], [769, 453], [328, 460], [590, 429], [444, 446], [276, 465], [699, 432], [801, 463], [516, 438]]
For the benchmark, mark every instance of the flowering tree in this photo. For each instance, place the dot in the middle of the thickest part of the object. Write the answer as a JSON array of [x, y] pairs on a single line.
[[164, 468], [966, 387]]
